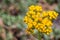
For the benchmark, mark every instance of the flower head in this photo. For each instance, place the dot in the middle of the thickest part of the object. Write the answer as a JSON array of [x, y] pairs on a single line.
[[40, 20]]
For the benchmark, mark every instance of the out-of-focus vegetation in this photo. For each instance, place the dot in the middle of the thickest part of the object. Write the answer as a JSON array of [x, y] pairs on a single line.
[[52, 1], [12, 26]]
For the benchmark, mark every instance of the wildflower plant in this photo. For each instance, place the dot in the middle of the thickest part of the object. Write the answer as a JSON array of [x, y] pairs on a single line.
[[40, 20]]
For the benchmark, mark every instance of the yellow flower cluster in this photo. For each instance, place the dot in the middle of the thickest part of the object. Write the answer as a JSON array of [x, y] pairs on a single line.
[[40, 20]]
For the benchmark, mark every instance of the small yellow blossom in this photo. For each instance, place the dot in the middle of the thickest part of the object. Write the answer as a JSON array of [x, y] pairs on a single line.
[[44, 14], [34, 23], [32, 7], [38, 8]]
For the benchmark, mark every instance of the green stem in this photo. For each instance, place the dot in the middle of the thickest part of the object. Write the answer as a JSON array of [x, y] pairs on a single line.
[[39, 36]]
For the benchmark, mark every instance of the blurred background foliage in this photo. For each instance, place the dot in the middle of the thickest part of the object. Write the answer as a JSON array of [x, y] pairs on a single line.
[[12, 13], [52, 1]]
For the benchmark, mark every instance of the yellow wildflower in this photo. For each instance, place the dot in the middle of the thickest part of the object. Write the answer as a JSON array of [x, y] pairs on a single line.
[[40, 20]]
